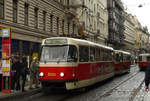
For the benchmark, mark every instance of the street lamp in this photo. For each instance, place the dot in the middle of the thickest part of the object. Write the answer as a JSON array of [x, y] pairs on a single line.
[[140, 5]]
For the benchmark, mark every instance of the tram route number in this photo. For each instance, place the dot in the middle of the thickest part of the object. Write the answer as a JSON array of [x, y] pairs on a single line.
[[51, 74]]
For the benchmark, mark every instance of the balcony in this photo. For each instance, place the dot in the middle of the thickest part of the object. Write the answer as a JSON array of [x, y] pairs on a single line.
[[119, 4]]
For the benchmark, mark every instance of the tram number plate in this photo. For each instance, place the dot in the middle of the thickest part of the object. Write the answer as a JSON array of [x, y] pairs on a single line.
[[51, 74]]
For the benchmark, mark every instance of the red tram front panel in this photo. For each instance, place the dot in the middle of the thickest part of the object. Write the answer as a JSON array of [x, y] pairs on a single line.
[[91, 72], [81, 72], [143, 64], [57, 72]]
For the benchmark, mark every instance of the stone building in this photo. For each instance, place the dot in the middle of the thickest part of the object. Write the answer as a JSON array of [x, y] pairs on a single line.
[[33, 20], [129, 33], [116, 23], [93, 17], [141, 37]]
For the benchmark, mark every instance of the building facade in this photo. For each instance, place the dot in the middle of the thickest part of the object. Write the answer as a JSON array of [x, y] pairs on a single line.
[[116, 23], [129, 33], [93, 17], [141, 37], [33, 20]]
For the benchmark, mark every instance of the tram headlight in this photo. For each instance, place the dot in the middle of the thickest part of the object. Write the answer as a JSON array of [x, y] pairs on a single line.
[[73, 74], [41, 74], [62, 74]]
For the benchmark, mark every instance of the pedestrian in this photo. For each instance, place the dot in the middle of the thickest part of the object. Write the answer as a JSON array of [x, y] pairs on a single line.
[[147, 77], [13, 74], [17, 69], [0, 74], [33, 72], [23, 74]]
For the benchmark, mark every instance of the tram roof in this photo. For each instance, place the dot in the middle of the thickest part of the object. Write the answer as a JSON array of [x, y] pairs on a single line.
[[145, 54], [80, 42], [124, 52]]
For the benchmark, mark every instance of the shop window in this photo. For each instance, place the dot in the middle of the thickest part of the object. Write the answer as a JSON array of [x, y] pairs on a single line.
[[15, 46], [25, 47], [35, 47], [84, 53]]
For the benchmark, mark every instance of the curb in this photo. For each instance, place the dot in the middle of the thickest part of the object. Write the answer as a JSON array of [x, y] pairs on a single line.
[[18, 95]]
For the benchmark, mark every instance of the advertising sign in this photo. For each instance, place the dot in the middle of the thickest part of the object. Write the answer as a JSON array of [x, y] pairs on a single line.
[[5, 32], [6, 67]]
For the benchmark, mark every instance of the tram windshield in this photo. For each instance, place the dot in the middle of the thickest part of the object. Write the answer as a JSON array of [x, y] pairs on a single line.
[[59, 53], [144, 58]]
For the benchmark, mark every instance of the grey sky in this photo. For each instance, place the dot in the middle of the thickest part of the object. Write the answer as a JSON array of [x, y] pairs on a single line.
[[142, 13]]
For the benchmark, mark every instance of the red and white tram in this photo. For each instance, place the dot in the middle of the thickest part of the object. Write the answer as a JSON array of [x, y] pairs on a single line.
[[74, 63], [122, 62], [143, 60]]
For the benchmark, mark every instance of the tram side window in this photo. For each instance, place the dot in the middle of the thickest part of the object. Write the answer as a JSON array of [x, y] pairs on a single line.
[[92, 54], [102, 54], [105, 56], [140, 58], [110, 55], [126, 58], [144, 58], [121, 57], [72, 55], [117, 57], [97, 57], [148, 58], [84, 53], [129, 58]]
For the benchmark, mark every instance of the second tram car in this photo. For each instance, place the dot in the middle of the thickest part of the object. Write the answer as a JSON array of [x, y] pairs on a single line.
[[143, 60], [74, 63], [122, 62]]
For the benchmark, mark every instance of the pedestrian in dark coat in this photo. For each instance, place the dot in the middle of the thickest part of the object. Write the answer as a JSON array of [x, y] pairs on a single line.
[[147, 77], [17, 67], [13, 74], [23, 74]]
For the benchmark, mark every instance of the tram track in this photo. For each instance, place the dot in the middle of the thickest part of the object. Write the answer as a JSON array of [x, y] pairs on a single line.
[[111, 90], [107, 93]]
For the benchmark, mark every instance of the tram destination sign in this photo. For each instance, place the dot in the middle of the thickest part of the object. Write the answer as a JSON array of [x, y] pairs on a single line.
[[56, 41]]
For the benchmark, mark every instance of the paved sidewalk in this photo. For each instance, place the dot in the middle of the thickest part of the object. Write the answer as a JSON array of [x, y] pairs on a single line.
[[19, 94], [142, 95], [125, 91]]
